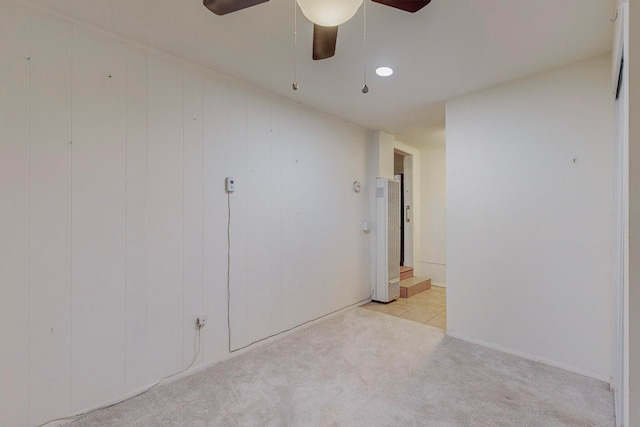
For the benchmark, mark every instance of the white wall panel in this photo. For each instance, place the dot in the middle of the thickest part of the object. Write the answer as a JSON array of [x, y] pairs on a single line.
[[14, 214], [530, 217], [433, 238], [276, 226], [351, 254], [295, 297], [632, 95], [260, 285], [99, 171], [129, 152], [165, 218], [193, 207], [136, 220], [324, 249], [319, 217], [50, 218], [308, 218], [237, 143], [216, 131]]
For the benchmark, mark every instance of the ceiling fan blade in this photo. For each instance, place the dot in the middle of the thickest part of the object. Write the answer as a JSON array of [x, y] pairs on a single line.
[[406, 5], [222, 7], [324, 41]]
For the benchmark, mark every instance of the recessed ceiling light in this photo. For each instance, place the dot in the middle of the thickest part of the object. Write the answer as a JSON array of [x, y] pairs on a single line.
[[384, 71]]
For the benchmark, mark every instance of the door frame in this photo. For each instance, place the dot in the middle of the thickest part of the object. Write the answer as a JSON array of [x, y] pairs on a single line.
[[400, 177], [411, 166]]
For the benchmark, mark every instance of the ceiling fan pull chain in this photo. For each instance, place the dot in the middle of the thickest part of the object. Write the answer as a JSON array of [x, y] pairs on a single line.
[[365, 88], [295, 44]]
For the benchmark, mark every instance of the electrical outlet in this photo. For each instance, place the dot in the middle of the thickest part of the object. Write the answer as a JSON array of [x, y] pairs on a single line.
[[202, 320]]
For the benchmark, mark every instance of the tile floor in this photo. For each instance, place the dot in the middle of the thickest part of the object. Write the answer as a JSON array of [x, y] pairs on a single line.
[[428, 307]]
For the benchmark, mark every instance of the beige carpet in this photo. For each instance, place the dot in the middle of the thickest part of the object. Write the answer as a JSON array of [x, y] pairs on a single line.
[[363, 368]]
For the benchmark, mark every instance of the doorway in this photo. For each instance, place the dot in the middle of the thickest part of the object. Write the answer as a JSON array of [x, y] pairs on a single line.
[[419, 301], [403, 172]]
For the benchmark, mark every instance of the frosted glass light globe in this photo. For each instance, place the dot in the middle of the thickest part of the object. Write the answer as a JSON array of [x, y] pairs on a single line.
[[384, 71], [329, 13]]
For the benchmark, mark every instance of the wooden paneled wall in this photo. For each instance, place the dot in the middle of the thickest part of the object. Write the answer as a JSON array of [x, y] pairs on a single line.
[[114, 215]]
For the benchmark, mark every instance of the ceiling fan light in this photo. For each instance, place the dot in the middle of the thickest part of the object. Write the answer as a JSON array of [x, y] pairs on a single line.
[[329, 13]]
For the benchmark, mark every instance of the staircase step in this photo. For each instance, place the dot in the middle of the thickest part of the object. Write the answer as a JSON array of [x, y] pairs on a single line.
[[405, 272], [414, 285]]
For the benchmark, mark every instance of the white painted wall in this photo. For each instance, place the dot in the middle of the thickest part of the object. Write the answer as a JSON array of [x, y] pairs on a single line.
[[621, 224], [620, 247], [14, 216], [114, 216], [384, 143], [529, 231], [433, 238], [632, 37]]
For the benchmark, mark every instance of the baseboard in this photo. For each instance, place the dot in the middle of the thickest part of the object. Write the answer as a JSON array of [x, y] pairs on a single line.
[[130, 395], [201, 367], [293, 329], [532, 357], [438, 284]]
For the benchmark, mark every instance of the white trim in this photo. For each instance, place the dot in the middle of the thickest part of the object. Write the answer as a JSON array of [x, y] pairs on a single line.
[[531, 357], [415, 207], [620, 279], [624, 18]]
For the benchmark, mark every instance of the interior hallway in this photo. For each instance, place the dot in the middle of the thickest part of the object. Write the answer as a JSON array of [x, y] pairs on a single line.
[[428, 307]]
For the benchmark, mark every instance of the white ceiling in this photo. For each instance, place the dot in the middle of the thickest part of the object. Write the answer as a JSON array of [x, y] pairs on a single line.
[[449, 48]]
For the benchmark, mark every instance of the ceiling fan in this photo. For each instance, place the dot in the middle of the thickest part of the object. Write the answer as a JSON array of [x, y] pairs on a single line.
[[326, 16]]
